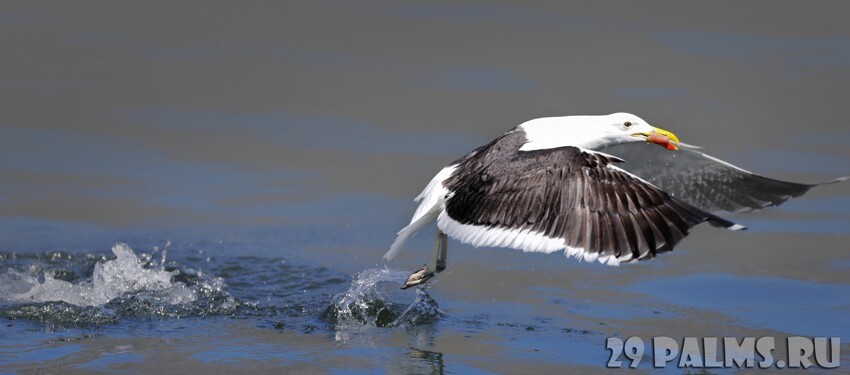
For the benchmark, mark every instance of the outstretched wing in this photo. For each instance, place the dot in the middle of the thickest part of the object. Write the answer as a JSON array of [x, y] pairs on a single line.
[[565, 199], [705, 181]]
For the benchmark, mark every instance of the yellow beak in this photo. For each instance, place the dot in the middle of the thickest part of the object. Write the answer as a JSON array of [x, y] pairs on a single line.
[[660, 137]]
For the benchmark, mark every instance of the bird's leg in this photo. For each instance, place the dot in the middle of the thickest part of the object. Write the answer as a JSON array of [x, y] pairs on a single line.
[[444, 249], [437, 264]]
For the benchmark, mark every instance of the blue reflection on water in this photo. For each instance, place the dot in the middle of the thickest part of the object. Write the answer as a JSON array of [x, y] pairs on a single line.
[[242, 352], [786, 305], [23, 355], [111, 359], [832, 205]]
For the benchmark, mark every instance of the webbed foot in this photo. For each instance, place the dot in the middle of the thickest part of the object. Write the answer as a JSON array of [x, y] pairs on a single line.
[[419, 276]]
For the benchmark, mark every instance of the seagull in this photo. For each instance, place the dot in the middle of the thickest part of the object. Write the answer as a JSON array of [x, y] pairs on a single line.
[[546, 186]]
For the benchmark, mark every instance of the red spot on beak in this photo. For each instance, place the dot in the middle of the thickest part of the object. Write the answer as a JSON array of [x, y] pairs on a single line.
[[661, 140]]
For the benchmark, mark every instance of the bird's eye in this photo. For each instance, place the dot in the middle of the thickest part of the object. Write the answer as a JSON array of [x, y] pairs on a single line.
[[627, 124]]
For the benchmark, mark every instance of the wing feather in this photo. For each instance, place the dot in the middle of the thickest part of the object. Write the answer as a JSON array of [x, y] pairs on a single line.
[[705, 181], [567, 199]]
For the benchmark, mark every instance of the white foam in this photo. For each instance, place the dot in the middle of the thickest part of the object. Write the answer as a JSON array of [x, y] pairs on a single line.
[[111, 279]]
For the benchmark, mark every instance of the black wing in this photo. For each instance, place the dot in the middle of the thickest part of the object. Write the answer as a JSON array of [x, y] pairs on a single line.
[[579, 199], [705, 181]]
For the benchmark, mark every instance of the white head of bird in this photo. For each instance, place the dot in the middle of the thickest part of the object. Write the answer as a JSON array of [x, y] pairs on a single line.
[[593, 132]]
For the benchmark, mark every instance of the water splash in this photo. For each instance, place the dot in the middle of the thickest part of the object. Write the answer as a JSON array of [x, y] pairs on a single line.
[[371, 301], [110, 280], [52, 291]]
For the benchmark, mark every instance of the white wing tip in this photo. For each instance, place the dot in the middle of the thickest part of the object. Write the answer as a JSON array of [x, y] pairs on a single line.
[[590, 257], [608, 260], [737, 227]]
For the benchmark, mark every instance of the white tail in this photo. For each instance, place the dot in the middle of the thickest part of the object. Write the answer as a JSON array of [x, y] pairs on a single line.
[[431, 202], [433, 194], [403, 235]]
